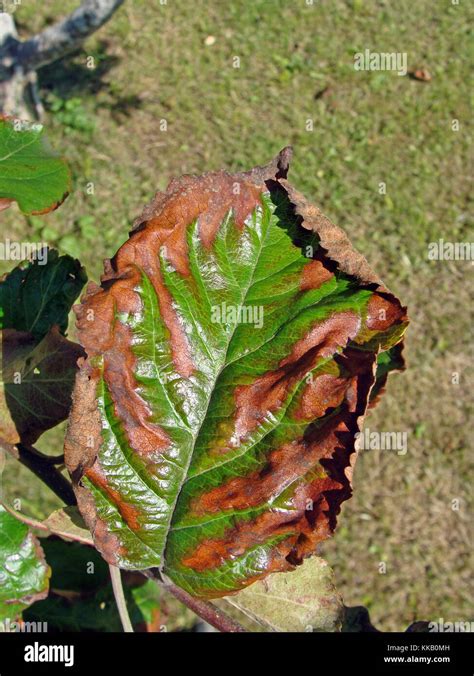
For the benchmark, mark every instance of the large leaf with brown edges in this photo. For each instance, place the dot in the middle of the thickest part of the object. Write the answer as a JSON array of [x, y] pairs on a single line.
[[232, 348]]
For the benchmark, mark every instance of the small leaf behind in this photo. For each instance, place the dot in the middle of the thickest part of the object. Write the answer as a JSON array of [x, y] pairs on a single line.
[[68, 524], [30, 173], [303, 600], [36, 383], [35, 296], [24, 573]]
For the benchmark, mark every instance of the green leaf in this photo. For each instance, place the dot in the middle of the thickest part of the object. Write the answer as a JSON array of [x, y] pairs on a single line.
[[38, 365], [66, 523], [36, 295], [24, 574], [36, 382], [304, 600], [98, 611], [81, 597], [146, 599], [30, 173], [75, 567], [387, 362], [231, 351]]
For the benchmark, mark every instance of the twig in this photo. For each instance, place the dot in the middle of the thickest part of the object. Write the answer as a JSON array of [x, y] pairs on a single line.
[[29, 521], [48, 473], [36, 104], [207, 611], [48, 527], [117, 586], [49, 459]]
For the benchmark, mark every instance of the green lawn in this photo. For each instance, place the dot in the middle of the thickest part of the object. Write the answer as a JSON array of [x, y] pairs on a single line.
[[296, 65]]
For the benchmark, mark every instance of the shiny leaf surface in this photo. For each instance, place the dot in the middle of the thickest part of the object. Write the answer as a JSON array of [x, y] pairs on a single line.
[[232, 348], [24, 573]]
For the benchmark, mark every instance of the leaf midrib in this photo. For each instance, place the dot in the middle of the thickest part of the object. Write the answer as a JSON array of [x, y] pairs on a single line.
[[222, 367], [17, 150]]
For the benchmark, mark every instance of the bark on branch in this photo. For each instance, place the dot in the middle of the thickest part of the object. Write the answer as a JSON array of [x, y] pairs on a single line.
[[66, 35], [20, 60]]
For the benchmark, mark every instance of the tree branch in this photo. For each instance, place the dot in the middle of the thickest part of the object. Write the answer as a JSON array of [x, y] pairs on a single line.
[[49, 459], [66, 35]]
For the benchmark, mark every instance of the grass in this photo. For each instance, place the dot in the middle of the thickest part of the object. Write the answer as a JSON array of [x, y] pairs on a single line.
[[296, 65]]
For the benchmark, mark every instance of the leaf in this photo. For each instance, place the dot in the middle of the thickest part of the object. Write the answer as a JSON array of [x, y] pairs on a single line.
[[357, 619], [30, 173], [387, 362], [67, 523], [38, 364], [36, 383], [75, 567], [231, 356], [145, 599], [36, 295], [98, 611], [4, 204], [303, 600], [421, 74], [78, 613], [24, 574], [81, 597]]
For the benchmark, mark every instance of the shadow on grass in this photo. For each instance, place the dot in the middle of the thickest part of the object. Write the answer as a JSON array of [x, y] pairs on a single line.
[[72, 77]]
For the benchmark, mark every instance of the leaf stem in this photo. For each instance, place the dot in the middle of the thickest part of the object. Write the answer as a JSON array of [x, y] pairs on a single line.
[[117, 586], [207, 611], [29, 521]]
